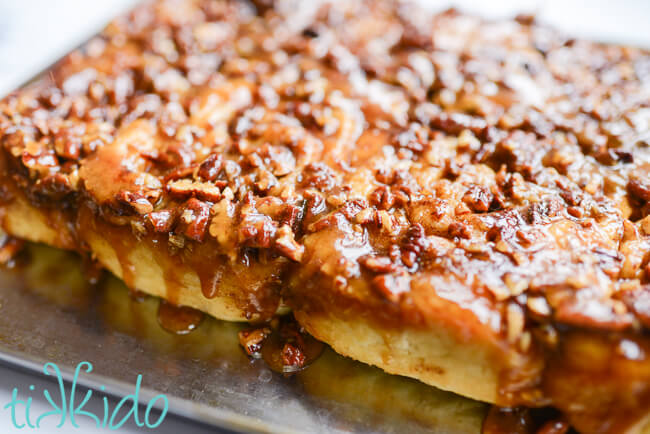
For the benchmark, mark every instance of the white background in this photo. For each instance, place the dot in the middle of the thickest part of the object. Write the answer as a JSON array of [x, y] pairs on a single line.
[[34, 33]]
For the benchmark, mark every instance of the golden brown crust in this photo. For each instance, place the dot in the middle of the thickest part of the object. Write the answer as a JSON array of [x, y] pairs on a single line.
[[419, 172]]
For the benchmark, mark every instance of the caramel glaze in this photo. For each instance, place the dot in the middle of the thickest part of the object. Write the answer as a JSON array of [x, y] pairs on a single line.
[[216, 273], [179, 320], [374, 160], [283, 344]]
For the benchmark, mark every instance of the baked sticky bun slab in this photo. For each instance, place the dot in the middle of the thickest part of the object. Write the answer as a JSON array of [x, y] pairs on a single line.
[[459, 201]]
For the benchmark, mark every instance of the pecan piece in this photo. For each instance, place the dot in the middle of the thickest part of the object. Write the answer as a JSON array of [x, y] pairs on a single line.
[[319, 176], [639, 188], [639, 182], [291, 215], [252, 340], [40, 162], [382, 197], [293, 357], [135, 201], [315, 204], [54, 187], [414, 244], [378, 264], [478, 198], [184, 188], [194, 219], [286, 244], [67, 143], [257, 230], [163, 220], [391, 286], [210, 167], [460, 230]]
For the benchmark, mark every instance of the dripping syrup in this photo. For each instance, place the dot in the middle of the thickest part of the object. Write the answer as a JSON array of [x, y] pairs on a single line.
[[179, 320], [283, 344]]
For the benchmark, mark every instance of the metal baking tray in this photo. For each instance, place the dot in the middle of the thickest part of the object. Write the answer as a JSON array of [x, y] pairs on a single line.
[[49, 313]]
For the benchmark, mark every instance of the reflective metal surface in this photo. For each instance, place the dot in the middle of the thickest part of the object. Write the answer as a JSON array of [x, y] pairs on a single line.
[[49, 313]]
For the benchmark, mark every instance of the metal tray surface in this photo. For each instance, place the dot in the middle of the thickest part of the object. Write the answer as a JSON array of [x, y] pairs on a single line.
[[49, 313]]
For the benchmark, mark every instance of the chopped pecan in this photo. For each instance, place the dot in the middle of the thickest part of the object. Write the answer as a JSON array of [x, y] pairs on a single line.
[[639, 183], [478, 198], [392, 286], [319, 176], [325, 222], [286, 244], [40, 161], [455, 123], [542, 212], [193, 221], [413, 245], [515, 322], [385, 175], [365, 216], [291, 215], [67, 142], [414, 139], [382, 197], [280, 159], [315, 204], [251, 340], [293, 357], [163, 220], [53, 187], [387, 222], [644, 224], [176, 241], [265, 181], [460, 230], [184, 188], [257, 230], [179, 173], [210, 167], [539, 306], [135, 201], [222, 221], [378, 264], [353, 207]]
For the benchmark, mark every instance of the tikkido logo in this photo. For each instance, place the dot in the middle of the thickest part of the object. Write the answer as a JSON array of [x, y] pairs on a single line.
[[68, 407]]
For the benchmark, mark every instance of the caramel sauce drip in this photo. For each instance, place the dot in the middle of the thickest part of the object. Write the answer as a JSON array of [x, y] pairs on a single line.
[[210, 277], [128, 269], [507, 421], [172, 284], [285, 346], [179, 320], [523, 421]]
